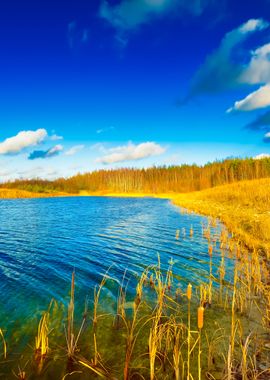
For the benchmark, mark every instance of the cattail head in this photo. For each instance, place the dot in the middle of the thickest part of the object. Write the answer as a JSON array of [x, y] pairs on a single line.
[[210, 250], [189, 292], [200, 317]]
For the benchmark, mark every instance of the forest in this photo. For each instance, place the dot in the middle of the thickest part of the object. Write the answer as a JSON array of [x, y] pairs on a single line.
[[154, 180]]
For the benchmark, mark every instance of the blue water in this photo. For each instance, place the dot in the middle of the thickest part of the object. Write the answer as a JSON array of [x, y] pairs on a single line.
[[43, 240]]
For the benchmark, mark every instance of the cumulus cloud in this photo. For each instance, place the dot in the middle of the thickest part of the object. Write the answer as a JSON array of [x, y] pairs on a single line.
[[73, 150], [257, 99], [131, 152], [23, 140], [261, 156], [54, 151], [257, 71], [223, 69]]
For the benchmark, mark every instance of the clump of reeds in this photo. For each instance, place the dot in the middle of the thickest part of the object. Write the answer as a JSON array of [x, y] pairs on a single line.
[[42, 340], [4, 344], [21, 374]]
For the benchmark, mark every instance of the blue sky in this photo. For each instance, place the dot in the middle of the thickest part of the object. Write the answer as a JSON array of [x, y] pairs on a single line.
[[104, 84]]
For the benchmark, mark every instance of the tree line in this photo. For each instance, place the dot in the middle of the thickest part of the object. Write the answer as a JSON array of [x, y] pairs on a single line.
[[183, 178]]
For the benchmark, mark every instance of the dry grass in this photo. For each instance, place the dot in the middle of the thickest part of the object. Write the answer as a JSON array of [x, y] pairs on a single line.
[[20, 194], [244, 207]]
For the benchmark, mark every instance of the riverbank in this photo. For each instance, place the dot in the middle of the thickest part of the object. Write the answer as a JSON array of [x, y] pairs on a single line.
[[244, 207]]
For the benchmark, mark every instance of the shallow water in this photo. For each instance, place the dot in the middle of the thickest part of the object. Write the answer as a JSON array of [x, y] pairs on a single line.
[[43, 240]]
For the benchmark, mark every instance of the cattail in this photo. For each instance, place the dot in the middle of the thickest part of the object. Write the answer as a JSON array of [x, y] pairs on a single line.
[[177, 234], [200, 317], [210, 250], [191, 232], [21, 375], [189, 292]]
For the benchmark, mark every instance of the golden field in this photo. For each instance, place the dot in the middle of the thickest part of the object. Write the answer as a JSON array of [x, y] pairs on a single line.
[[244, 207], [20, 194]]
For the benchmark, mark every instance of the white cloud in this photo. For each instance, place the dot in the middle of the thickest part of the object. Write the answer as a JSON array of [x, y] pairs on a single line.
[[22, 140], [266, 137], [261, 156], [256, 100], [131, 152], [54, 150], [56, 137], [73, 150], [220, 71], [253, 24], [258, 69]]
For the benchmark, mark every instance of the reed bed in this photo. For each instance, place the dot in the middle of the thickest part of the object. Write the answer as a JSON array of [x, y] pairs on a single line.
[[218, 329], [242, 206], [20, 194]]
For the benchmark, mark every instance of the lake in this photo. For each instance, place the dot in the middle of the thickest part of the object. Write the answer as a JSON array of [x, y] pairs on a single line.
[[43, 240]]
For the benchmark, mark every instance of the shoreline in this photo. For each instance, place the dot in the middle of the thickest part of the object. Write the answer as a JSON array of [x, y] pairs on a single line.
[[24, 194], [241, 206]]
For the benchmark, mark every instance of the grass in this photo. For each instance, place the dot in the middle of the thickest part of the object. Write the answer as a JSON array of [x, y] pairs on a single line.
[[21, 194], [244, 207]]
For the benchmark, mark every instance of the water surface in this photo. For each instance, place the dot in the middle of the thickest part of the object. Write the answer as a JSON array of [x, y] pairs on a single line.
[[43, 240]]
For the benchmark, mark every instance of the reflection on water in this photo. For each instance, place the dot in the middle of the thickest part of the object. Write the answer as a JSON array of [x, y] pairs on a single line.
[[43, 240]]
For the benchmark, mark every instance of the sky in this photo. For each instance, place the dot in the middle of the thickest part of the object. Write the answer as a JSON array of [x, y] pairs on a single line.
[[100, 84]]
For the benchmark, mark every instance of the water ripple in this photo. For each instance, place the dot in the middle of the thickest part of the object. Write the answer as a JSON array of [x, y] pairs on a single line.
[[43, 240]]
